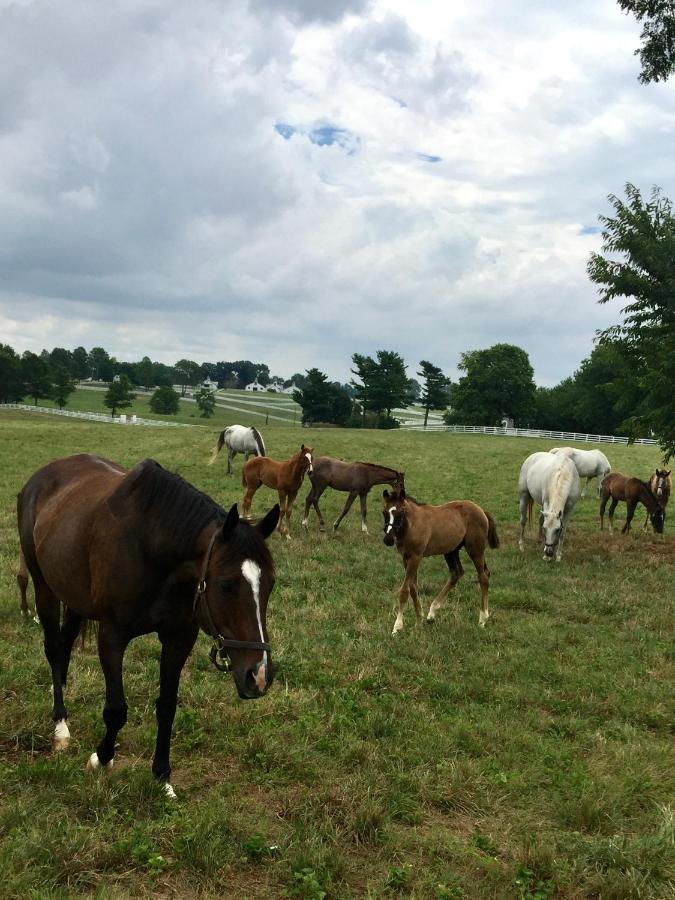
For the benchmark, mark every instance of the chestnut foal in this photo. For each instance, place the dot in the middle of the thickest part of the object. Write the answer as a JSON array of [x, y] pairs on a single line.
[[284, 477]]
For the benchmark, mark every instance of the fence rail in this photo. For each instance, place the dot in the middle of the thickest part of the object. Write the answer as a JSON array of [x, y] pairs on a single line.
[[530, 432], [95, 417]]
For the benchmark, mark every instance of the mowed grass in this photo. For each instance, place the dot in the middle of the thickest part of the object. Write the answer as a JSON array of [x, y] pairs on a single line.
[[533, 758]]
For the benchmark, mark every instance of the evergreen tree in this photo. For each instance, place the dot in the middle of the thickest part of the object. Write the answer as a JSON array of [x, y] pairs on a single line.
[[80, 364], [434, 389], [322, 400], [119, 395], [102, 365], [642, 235], [165, 401], [145, 373], [384, 384], [63, 385], [206, 402]]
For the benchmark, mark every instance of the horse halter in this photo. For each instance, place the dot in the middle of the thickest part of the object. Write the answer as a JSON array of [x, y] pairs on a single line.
[[218, 653]]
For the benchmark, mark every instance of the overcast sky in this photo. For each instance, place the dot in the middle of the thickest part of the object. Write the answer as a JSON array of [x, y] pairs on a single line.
[[291, 181]]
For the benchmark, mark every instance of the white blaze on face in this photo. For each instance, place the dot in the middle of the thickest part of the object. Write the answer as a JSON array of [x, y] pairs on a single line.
[[309, 460], [251, 572], [392, 510]]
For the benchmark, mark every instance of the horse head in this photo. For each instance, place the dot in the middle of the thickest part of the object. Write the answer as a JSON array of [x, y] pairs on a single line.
[[231, 598], [660, 484], [306, 460], [657, 518], [394, 513], [551, 527]]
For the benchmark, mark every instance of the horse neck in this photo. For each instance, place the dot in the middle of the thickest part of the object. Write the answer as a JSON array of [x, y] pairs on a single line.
[[648, 498], [380, 475], [295, 466]]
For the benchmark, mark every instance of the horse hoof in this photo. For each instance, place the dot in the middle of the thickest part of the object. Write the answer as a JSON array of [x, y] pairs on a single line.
[[430, 621], [169, 791], [94, 763]]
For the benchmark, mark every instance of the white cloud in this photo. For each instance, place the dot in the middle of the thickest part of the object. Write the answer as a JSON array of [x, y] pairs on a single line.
[[432, 193]]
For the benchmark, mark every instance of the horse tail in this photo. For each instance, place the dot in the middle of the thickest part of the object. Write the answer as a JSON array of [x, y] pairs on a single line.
[[530, 504], [218, 447], [260, 444], [493, 537]]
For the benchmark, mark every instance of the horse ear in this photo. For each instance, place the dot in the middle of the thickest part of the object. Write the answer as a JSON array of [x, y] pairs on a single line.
[[267, 525], [385, 494], [230, 522]]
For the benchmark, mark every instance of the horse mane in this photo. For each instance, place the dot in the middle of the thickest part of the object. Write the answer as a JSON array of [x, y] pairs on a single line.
[[259, 441], [370, 465], [560, 485], [182, 510]]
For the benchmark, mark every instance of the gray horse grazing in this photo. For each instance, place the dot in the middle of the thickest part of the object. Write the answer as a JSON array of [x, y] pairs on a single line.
[[589, 463], [552, 481], [357, 478], [239, 439]]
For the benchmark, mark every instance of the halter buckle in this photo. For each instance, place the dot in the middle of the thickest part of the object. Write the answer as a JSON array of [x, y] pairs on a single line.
[[218, 655]]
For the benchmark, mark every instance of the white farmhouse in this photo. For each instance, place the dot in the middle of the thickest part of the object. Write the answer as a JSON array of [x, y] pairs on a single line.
[[255, 386]]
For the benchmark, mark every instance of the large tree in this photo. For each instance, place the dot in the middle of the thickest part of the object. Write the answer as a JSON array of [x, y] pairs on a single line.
[[165, 401], [12, 388], [101, 364], [36, 376], [382, 385], [434, 388], [323, 400], [657, 53], [63, 385], [498, 383], [119, 395], [639, 265], [187, 373]]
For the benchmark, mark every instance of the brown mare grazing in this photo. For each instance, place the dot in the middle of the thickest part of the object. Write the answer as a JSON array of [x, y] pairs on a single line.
[[284, 477], [420, 530], [660, 485], [142, 551], [632, 491], [356, 477]]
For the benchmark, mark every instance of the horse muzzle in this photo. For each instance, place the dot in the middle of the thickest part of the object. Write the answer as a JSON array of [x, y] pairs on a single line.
[[549, 551], [389, 539], [255, 682]]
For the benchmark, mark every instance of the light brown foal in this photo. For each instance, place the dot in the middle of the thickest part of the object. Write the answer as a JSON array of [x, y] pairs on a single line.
[[284, 477], [420, 530]]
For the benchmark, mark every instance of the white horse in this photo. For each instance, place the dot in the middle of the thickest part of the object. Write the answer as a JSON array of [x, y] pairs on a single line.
[[552, 481], [589, 463], [239, 439]]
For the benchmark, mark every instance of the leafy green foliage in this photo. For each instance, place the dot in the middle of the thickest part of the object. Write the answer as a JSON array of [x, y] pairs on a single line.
[[206, 402], [382, 385], [641, 234], [434, 394], [36, 376], [165, 401], [119, 395], [62, 385], [322, 400], [11, 380], [657, 53], [498, 383]]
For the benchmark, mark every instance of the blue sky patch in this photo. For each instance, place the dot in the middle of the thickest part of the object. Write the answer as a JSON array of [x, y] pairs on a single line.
[[428, 157], [590, 229], [286, 131]]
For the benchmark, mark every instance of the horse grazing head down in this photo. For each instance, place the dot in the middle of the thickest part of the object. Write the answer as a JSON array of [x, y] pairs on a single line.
[[231, 600], [551, 526], [393, 513]]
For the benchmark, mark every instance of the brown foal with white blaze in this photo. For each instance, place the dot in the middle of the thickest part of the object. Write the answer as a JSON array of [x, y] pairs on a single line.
[[284, 477], [419, 530]]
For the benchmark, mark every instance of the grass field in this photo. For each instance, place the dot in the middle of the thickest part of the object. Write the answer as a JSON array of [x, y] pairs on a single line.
[[531, 759]]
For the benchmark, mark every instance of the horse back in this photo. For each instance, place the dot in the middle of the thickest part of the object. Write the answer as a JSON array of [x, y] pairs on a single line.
[[437, 530]]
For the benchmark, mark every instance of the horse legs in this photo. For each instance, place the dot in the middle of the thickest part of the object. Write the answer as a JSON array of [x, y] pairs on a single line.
[[230, 456], [524, 503], [583, 490], [350, 499], [290, 500], [363, 498], [22, 581], [456, 572], [49, 609], [603, 504], [478, 558], [612, 507], [630, 512], [563, 531], [111, 646], [312, 499], [176, 647], [248, 499], [409, 587]]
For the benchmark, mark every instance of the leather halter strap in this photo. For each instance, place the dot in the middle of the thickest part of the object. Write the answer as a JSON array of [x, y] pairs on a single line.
[[218, 656]]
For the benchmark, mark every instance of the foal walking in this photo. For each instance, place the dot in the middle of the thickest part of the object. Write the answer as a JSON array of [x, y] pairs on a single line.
[[420, 530], [284, 477]]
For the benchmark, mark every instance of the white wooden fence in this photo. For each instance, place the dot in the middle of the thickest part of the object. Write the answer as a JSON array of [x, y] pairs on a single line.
[[558, 436], [95, 417]]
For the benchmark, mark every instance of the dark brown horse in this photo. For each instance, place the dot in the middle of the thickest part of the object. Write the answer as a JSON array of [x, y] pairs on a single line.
[[357, 478], [632, 491], [284, 477], [141, 551], [420, 530], [660, 484]]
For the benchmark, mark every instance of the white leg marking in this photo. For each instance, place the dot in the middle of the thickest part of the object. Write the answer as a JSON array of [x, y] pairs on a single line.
[[169, 791], [304, 523], [398, 624], [364, 528], [251, 572], [483, 617], [94, 763], [61, 735]]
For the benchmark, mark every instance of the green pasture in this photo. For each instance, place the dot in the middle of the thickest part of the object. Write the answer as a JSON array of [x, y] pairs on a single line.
[[530, 759]]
